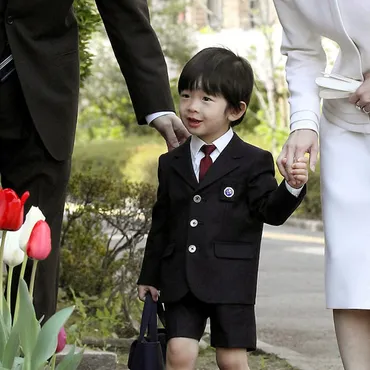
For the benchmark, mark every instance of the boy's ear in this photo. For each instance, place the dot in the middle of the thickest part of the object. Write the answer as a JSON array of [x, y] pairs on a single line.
[[235, 114]]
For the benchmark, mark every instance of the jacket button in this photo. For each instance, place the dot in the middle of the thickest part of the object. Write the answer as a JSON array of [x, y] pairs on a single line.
[[9, 19], [197, 198], [192, 248], [193, 223]]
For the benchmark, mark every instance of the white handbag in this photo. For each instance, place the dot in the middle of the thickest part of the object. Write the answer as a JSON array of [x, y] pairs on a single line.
[[334, 86]]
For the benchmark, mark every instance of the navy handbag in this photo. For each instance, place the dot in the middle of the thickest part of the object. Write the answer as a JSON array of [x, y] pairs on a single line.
[[148, 351]]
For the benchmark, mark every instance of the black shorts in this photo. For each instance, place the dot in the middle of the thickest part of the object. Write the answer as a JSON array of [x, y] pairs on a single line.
[[232, 325]]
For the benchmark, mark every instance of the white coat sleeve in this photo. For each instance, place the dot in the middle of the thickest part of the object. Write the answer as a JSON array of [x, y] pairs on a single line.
[[306, 60]]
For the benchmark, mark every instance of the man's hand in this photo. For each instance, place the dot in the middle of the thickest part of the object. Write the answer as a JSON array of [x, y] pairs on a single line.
[[144, 289], [299, 142], [172, 129]]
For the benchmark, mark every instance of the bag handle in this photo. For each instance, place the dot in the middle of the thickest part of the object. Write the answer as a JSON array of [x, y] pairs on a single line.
[[149, 320], [160, 312]]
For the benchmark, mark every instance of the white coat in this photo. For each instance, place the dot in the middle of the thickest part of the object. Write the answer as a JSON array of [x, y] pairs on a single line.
[[347, 22], [344, 139]]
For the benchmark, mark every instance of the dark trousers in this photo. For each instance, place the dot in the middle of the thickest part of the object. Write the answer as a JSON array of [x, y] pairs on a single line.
[[25, 164]]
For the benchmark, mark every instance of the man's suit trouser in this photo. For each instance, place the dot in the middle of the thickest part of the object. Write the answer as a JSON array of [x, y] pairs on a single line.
[[25, 164]]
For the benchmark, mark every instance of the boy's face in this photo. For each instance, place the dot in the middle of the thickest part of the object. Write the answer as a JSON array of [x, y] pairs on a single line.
[[204, 115]]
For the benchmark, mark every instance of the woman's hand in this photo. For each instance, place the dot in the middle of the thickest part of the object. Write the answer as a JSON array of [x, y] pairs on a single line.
[[298, 144], [361, 97]]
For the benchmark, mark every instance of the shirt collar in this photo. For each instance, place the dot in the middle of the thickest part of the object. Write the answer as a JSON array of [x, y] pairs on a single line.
[[196, 143]]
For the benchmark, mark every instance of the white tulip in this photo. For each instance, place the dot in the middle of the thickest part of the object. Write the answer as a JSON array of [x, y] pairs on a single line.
[[34, 215], [13, 254]]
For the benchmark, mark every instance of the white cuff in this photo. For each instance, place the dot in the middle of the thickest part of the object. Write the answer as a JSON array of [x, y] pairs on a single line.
[[292, 190], [304, 125], [151, 117], [305, 119]]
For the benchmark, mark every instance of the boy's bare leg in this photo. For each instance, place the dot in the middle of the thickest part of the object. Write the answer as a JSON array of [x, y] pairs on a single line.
[[232, 359], [182, 354]]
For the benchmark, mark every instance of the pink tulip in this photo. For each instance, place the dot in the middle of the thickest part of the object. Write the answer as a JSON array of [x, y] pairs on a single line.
[[62, 340], [11, 209], [39, 243]]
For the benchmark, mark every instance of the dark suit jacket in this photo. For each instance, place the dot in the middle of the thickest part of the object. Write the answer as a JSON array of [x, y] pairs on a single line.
[[43, 37], [202, 239]]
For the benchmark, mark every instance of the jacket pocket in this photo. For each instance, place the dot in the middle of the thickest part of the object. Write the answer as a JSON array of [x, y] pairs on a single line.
[[236, 251], [169, 250]]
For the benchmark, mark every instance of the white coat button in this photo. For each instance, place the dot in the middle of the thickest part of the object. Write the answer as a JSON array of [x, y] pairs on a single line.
[[192, 248], [197, 198], [193, 223]]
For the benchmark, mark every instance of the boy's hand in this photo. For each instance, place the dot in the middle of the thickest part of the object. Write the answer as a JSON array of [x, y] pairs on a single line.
[[299, 172], [144, 289]]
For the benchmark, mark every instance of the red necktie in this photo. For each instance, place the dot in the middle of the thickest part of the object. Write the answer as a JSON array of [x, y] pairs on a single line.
[[206, 161]]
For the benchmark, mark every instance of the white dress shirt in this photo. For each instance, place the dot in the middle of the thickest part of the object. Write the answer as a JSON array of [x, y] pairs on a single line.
[[196, 154], [151, 117]]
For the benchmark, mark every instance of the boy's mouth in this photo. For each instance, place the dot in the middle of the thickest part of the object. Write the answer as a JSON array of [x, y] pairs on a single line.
[[194, 122]]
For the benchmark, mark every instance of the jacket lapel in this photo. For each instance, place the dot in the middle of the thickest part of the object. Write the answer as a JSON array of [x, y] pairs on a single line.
[[225, 163], [182, 164]]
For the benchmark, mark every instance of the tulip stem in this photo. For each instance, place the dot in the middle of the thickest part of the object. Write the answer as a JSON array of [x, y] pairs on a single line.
[[23, 269], [9, 285], [53, 360], [1, 271], [33, 277]]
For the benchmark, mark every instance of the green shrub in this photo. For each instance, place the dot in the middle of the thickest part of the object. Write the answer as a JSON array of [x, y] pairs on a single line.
[[311, 204], [106, 220], [105, 155], [142, 166]]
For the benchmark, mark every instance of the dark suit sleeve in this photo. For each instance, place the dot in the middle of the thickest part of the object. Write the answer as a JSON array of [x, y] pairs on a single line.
[[268, 202], [157, 238], [139, 55]]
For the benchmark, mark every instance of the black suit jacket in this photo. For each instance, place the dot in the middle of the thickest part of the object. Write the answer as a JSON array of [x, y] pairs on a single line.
[[204, 240], [43, 37]]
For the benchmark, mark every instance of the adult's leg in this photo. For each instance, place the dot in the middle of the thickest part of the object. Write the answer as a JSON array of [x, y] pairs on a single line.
[[25, 164], [352, 328]]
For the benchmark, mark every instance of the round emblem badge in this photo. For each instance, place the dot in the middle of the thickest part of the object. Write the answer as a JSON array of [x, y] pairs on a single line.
[[229, 192]]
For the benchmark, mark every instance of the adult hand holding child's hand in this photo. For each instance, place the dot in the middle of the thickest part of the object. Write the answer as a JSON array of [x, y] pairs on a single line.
[[299, 173]]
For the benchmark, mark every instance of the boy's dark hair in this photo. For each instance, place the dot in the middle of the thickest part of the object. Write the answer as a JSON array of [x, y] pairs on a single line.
[[219, 71]]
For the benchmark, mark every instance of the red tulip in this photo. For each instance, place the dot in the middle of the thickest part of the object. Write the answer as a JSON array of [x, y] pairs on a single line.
[[39, 243], [11, 209], [62, 340]]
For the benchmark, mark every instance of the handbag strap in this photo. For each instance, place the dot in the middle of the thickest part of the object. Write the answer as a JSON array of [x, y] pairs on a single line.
[[160, 312], [149, 320]]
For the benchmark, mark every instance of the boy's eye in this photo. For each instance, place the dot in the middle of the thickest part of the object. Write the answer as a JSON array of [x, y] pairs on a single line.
[[184, 95], [206, 98]]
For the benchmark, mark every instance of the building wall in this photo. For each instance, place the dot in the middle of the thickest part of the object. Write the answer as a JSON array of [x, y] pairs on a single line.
[[227, 13]]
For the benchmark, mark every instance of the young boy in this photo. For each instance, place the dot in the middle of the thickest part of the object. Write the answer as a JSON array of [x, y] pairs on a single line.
[[215, 193]]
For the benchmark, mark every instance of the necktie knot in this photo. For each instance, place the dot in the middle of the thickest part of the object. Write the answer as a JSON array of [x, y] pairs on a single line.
[[208, 149], [206, 161]]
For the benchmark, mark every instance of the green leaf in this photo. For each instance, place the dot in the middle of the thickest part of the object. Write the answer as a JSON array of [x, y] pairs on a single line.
[[71, 360], [11, 348], [48, 337], [3, 336], [18, 363], [27, 324], [7, 317]]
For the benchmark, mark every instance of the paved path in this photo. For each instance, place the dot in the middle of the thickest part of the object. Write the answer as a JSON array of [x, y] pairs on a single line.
[[291, 303]]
